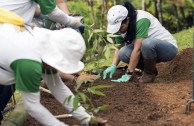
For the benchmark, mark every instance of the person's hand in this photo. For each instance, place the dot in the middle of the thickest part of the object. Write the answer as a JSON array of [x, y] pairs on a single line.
[[124, 78], [85, 78], [76, 22], [110, 70]]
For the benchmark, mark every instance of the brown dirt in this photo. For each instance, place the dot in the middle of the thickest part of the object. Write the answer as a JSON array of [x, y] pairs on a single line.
[[161, 103]]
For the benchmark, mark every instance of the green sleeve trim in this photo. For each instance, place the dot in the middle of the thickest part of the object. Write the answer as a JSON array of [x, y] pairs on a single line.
[[28, 74], [46, 6], [142, 27], [119, 40]]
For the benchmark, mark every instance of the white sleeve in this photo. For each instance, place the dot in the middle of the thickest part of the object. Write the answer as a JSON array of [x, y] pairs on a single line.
[[33, 107], [59, 16]]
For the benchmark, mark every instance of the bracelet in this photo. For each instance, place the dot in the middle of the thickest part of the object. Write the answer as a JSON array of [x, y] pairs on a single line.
[[128, 72]]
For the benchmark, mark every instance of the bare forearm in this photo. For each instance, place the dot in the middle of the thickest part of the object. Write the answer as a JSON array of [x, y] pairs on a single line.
[[116, 58], [63, 6], [133, 60], [67, 76]]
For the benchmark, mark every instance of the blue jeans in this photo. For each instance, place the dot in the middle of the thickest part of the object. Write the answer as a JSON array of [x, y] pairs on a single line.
[[151, 48], [5, 94]]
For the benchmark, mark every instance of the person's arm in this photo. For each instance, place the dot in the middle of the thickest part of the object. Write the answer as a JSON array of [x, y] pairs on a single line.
[[49, 8], [142, 27], [63, 6], [116, 53], [116, 58], [135, 54], [68, 76], [37, 12]]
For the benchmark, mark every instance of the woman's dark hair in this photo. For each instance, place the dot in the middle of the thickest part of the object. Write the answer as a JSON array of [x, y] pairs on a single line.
[[132, 14]]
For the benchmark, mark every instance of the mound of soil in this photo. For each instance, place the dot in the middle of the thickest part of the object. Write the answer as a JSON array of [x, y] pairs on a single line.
[[161, 103], [180, 68]]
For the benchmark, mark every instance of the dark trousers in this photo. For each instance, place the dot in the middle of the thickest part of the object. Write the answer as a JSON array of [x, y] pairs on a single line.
[[5, 94]]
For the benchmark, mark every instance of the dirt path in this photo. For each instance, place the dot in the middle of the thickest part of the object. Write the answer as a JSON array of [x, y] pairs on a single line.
[[161, 103]]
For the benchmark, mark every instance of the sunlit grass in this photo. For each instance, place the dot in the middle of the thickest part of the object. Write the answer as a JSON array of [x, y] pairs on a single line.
[[185, 38]]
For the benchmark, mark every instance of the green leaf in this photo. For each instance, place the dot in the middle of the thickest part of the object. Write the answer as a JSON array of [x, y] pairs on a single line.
[[96, 110], [78, 85], [107, 53], [76, 102], [90, 37], [101, 87], [109, 39], [95, 45], [99, 93], [91, 90], [98, 30], [83, 97], [100, 108], [113, 35], [86, 106]]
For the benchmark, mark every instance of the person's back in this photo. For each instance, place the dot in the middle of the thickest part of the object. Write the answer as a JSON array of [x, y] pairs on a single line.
[[24, 8], [155, 30]]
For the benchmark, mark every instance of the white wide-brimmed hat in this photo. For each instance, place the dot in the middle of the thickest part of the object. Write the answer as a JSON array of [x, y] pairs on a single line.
[[64, 50], [115, 16]]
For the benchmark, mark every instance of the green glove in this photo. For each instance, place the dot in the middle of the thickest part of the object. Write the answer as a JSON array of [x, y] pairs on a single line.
[[124, 78], [110, 70]]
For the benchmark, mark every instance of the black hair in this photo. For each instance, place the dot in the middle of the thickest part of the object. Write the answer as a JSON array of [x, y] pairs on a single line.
[[132, 14]]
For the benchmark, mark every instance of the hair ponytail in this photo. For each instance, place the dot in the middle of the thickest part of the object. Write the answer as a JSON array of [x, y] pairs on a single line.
[[132, 14]]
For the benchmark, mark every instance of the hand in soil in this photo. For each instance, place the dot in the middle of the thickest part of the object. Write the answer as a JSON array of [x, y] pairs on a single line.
[[124, 78]]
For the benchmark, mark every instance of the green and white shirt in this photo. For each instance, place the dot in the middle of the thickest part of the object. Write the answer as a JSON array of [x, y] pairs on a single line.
[[147, 26], [26, 8]]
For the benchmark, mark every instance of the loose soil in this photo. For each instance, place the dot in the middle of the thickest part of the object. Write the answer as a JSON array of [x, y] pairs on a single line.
[[161, 103]]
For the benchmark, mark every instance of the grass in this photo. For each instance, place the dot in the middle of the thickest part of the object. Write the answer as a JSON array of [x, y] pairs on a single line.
[[185, 38]]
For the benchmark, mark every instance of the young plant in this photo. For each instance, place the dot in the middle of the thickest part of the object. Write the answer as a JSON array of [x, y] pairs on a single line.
[[85, 96]]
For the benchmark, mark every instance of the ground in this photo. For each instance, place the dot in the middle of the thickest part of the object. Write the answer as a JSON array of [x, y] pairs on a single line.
[[161, 103]]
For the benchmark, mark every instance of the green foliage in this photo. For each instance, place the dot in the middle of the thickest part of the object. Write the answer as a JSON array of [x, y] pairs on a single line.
[[185, 38], [80, 7], [84, 96]]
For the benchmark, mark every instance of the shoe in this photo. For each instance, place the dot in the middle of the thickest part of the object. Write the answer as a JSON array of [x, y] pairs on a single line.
[[150, 71]]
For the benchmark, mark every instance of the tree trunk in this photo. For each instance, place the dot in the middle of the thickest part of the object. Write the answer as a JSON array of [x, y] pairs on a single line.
[[156, 9], [92, 9], [17, 117], [177, 18], [102, 13], [143, 4], [183, 15], [159, 10]]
